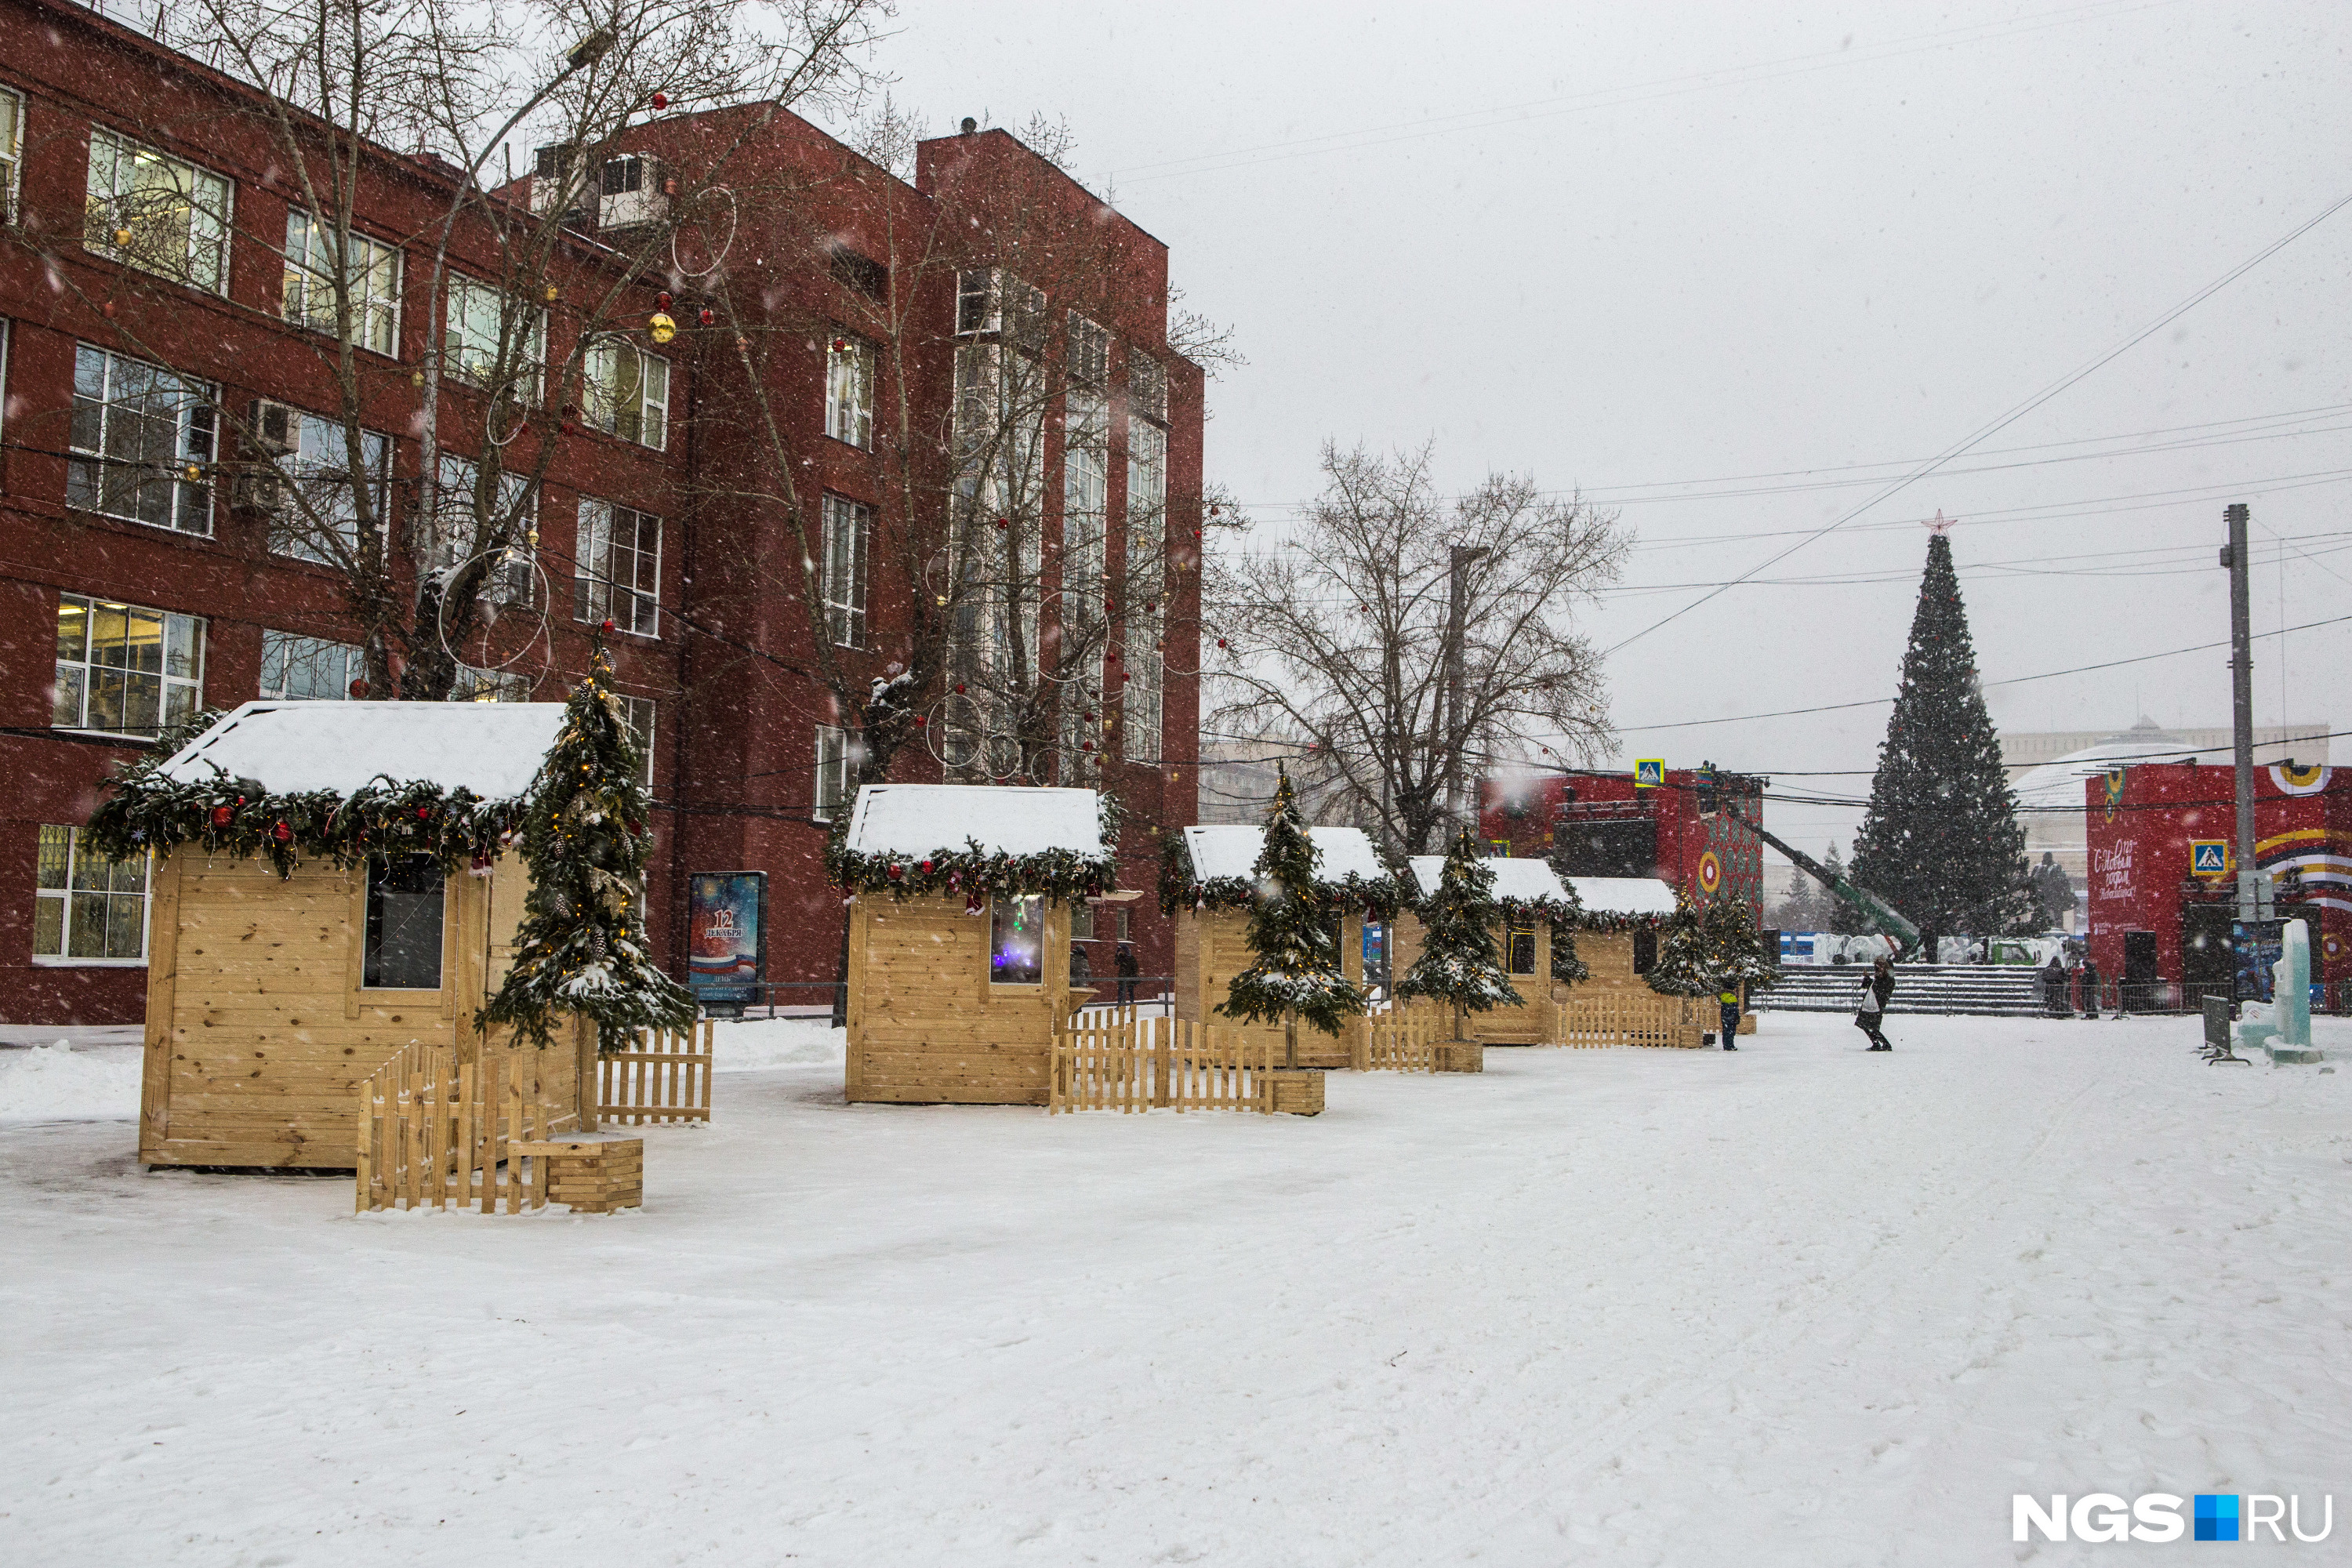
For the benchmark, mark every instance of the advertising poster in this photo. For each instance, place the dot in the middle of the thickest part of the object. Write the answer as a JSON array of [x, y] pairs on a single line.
[[725, 913], [2256, 943]]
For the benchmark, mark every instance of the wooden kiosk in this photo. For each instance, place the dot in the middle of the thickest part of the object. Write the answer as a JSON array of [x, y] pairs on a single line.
[[1205, 884], [1532, 899], [271, 999], [960, 935], [1617, 939]]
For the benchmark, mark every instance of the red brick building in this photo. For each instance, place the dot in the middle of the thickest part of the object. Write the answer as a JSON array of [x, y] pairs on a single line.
[[745, 575], [1699, 837]]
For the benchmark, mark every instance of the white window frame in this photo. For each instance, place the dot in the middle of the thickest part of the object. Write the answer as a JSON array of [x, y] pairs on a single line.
[[472, 313], [836, 787], [66, 895], [1146, 387], [849, 390], [514, 579], [475, 684], [643, 715], [109, 209], [626, 392], [978, 301], [341, 663], [1143, 700], [173, 628], [11, 152], [307, 465], [192, 407], [1089, 355], [846, 527], [307, 297], [601, 591]]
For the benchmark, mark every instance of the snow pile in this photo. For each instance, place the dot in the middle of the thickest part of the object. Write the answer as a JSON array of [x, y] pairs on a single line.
[[756, 1044], [57, 1083]]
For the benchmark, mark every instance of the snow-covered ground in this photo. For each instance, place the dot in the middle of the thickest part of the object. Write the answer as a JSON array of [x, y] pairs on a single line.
[[1798, 1305]]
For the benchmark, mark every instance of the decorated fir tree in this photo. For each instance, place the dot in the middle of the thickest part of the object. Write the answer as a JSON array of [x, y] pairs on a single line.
[[1458, 964], [1296, 972], [1735, 946], [1941, 840], [585, 837], [1566, 966], [1685, 965]]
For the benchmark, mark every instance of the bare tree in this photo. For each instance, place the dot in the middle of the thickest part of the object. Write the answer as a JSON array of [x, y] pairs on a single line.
[[1400, 642], [535, 318]]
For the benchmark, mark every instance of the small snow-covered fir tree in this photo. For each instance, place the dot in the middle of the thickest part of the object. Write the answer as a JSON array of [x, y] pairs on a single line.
[[1836, 914], [586, 841], [1941, 841], [1566, 966], [1683, 967], [1296, 972], [1706, 949], [1458, 964]]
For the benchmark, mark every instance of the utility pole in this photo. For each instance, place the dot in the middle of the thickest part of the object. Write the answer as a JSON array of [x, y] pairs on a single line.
[[1458, 557], [2254, 890]]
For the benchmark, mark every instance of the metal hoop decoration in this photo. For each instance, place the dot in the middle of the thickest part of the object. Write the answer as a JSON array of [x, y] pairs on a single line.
[[490, 416], [734, 222], [542, 586]]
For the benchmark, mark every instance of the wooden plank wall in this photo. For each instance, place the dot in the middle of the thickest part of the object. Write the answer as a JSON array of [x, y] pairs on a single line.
[[1529, 1024], [926, 1024], [1212, 948], [259, 1032]]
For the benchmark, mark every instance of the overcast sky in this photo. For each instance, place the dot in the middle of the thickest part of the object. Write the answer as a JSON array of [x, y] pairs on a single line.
[[1654, 251]]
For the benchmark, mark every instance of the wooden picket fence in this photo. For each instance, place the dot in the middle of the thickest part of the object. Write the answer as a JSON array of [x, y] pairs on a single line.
[[1129, 1063], [664, 1077], [1604, 1018], [432, 1130], [1401, 1039]]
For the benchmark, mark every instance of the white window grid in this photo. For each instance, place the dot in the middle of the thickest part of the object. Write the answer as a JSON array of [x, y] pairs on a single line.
[[87, 909], [639, 713], [143, 440], [514, 576], [1144, 688], [849, 390], [12, 151], [1146, 387], [976, 301], [475, 684], [318, 462], [616, 568], [846, 524], [476, 312], [298, 669], [627, 392], [373, 278], [125, 669], [835, 773], [1089, 352], [163, 215]]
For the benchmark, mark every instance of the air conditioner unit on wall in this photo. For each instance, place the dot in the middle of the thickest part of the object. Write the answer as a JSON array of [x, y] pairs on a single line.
[[636, 190], [271, 437]]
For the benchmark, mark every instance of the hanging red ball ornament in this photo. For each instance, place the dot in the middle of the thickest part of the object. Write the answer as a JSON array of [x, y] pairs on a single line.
[[1002, 522], [221, 814], [708, 317], [661, 100], [924, 866], [959, 689], [607, 627], [1220, 642], [360, 689], [281, 833], [423, 814], [897, 873], [661, 301], [921, 721]]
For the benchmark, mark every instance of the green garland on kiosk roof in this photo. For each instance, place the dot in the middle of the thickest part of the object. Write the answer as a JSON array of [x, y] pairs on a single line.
[[236, 819], [1375, 898], [974, 872]]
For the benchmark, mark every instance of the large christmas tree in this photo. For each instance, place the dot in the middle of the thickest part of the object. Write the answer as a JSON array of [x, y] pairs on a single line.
[[1458, 964], [1941, 840], [586, 840], [1296, 970]]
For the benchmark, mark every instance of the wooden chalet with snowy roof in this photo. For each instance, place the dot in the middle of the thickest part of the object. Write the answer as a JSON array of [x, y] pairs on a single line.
[[1207, 882], [960, 934], [334, 883]]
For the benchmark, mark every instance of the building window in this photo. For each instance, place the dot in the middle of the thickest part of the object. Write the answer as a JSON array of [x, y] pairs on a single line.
[[305, 485], [482, 319], [405, 899], [637, 712], [1146, 387], [296, 668], [87, 908], [1145, 670], [976, 301], [12, 149], [627, 392], [616, 569], [985, 294], [126, 670], [156, 213], [466, 525], [1082, 922], [1519, 946], [475, 685], [372, 278], [144, 443], [851, 270], [835, 773], [849, 391], [1017, 940], [846, 524], [1089, 352]]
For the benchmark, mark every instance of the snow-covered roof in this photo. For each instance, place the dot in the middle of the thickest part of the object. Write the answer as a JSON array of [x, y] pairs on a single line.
[[916, 819], [1232, 851], [493, 749], [1623, 895], [2058, 784], [1514, 878]]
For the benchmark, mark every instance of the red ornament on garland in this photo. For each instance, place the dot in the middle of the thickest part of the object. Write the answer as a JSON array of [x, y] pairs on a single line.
[[221, 814], [897, 873], [423, 814], [281, 833], [924, 866]]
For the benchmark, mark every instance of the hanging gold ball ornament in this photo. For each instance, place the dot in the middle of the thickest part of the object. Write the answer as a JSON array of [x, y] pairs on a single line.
[[660, 327], [122, 237], [553, 294]]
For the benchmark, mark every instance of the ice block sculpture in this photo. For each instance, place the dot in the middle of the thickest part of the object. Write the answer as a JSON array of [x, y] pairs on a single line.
[[2283, 1025]]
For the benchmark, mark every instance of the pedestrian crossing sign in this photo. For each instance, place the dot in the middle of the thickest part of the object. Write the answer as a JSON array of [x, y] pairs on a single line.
[[1649, 772], [2208, 856]]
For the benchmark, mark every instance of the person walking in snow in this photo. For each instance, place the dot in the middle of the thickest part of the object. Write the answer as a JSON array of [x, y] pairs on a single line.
[[1878, 990], [1727, 1001], [2054, 988], [1123, 963]]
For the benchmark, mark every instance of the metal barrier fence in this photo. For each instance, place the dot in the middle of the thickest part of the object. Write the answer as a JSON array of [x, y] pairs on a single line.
[[2125, 997]]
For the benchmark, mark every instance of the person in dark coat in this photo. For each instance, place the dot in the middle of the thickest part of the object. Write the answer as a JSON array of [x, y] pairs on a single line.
[[2090, 989], [1878, 990], [1082, 971], [2054, 988], [1123, 963]]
